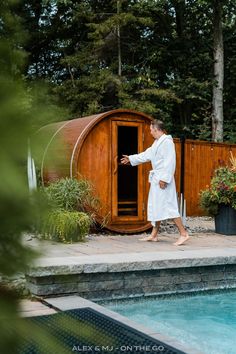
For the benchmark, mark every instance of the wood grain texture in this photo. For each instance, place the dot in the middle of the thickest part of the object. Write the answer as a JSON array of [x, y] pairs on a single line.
[[87, 148], [201, 159]]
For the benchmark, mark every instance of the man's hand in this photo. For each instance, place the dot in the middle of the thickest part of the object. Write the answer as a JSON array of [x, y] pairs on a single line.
[[162, 184], [125, 160]]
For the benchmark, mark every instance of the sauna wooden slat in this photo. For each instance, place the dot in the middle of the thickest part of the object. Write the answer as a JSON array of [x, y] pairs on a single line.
[[85, 148]]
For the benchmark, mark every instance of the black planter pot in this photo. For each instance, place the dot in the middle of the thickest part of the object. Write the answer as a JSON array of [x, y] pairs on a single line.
[[225, 220]]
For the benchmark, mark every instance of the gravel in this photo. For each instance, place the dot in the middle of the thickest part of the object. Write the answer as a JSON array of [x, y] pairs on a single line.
[[198, 224]]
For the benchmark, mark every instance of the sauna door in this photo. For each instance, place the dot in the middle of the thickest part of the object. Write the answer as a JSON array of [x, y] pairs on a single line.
[[127, 181]]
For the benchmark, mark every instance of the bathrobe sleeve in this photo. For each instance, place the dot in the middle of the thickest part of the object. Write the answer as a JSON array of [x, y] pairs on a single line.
[[137, 159], [169, 164]]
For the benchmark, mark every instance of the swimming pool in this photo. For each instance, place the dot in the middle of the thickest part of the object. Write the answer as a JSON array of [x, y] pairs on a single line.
[[205, 322]]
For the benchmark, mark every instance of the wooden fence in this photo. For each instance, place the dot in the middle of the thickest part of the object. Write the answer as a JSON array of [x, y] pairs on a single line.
[[198, 160]]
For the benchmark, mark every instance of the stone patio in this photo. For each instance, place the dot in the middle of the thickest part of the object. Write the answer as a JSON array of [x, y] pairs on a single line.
[[100, 244], [107, 266]]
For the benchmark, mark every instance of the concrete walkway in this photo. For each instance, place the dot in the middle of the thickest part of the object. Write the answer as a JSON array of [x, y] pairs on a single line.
[[118, 244]]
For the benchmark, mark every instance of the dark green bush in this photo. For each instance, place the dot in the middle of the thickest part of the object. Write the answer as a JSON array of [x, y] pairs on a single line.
[[66, 226], [73, 210], [72, 194]]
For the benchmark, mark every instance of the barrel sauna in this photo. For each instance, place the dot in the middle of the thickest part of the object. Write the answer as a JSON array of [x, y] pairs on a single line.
[[91, 147]]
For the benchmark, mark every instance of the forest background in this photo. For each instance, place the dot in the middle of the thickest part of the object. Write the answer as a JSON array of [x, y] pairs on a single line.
[[91, 56], [154, 56]]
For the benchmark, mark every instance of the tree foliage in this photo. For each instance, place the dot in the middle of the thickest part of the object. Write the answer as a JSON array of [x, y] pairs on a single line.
[[17, 208], [165, 51]]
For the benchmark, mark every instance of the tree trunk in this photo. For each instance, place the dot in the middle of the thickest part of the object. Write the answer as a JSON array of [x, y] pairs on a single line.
[[217, 101], [179, 6], [118, 40]]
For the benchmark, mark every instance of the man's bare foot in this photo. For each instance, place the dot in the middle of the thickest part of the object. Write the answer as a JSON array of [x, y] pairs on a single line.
[[182, 239], [150, 238]]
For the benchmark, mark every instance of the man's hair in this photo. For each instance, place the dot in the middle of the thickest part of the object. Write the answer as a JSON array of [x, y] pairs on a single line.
[[156, 123]]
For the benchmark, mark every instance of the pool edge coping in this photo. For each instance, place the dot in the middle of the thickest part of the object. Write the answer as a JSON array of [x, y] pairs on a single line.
[[126, 262], [76, 302]]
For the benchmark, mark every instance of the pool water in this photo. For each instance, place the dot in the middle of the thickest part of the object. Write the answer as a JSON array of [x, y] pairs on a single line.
[[205, 322]]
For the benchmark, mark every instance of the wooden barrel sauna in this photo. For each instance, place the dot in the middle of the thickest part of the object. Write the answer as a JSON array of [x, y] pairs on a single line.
[[91, 147]]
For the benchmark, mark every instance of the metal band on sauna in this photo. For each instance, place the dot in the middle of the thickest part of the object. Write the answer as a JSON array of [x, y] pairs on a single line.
[[46, 149], [75, 147]]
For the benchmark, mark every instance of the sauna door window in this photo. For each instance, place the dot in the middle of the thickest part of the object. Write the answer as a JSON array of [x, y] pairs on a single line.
[[127, 175], [127, 179]]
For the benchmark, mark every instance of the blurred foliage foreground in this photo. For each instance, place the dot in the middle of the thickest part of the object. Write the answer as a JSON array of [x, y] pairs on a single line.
[[19, 114]]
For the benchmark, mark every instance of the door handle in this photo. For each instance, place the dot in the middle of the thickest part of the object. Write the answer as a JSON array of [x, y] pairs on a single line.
[[116, 164]]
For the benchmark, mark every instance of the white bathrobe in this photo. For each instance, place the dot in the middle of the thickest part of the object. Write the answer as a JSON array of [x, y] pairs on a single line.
[[162, 203]]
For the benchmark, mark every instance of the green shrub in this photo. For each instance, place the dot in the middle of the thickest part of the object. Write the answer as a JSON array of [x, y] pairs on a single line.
[[65, 226], [207, 203], [73, 210], [64, 193], [71, 194]]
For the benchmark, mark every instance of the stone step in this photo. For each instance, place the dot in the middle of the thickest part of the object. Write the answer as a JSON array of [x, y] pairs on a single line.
[[133, 274]]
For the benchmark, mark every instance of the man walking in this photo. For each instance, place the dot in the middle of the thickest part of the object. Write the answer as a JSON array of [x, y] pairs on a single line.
[[162, 199]]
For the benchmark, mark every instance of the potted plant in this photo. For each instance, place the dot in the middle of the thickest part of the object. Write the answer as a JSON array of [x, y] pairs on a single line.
[[219, 199]]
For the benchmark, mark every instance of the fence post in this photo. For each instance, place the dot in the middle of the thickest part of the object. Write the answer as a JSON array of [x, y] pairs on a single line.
[[182, 165]]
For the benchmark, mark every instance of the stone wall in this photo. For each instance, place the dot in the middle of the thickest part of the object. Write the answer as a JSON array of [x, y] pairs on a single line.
[[108, 285]]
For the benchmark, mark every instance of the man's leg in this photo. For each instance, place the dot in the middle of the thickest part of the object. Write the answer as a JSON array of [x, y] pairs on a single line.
[[184, 236], [154, 234]]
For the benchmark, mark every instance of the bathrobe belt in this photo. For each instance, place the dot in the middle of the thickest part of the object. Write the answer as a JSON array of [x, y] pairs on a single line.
[[154, 175]]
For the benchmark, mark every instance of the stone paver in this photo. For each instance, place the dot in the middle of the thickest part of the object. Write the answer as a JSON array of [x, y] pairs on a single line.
[[46, 266], [29, 308], [101, 244], [102, 253]]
